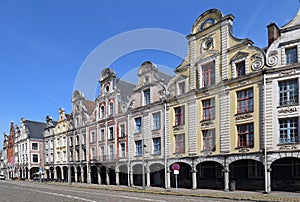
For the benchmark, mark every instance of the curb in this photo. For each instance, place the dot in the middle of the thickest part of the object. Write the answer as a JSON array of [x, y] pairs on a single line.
[[238, 197]]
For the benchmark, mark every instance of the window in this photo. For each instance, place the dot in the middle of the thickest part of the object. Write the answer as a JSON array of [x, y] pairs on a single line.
[[208, 74], [111, 152], [102, 153], [138, 125], [291, 55], [288, 130], [77, 140], [35, 158], [122, 150], [156, 146], [209, 140], [147, 97], [179, 116], [181, 88], [245, 101], [93, 153], [240, 68], [180, 144], [71, 141], [111, 133], [93, 137], [245, 135], [102, 135], [122, 131], [156, 121], [288, 92], [102, 111], [208, 109], [77, 155], [64, 156], [35, 146], [138, 148], [111, 108]]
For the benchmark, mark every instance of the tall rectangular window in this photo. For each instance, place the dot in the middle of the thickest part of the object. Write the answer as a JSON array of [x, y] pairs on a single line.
[[35, 158], [146, 96], [288, 92], [93, 153], [156, 121], [156, 146], [180, 144], [138, 148], [209, 140], [181, 88], [208, 109], [138, 125], [179, 115], [102, 111], [111, 108], [92, 137], [122, 130], [245, 101], [111, 133], [245, 135], [291, 55], [240, 68], [208, 74], [288, 130], [102, 157], [102, 135], [111, 152], [122, 150]]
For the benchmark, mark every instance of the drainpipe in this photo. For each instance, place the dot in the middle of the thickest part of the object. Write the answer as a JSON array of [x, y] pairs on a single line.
[[265, 136], [128, 147]]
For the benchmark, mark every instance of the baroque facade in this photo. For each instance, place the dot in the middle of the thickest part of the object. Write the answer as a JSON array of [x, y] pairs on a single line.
[[228, 118]]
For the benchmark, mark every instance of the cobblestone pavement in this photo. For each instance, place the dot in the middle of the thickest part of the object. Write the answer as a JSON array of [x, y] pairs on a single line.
[[208, 193]]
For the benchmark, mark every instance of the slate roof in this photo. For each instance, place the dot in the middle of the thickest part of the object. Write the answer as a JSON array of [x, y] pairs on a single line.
[[35, 129], [126, 88], [90, 106]]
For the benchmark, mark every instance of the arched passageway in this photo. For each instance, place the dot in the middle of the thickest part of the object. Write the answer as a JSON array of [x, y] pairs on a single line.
[[285, 174], [184, 178], [210, 175], [247, 174], [157, 175]]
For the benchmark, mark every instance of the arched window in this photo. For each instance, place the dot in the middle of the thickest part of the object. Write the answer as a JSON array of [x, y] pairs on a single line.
[[102, 111]]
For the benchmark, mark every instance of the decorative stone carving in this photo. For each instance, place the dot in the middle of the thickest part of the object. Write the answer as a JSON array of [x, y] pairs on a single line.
[[272, 59], [207, 43], [207, 123], [286, 110], [286, 72], [244, 150], [288, 147], [258, 62], [244, 82], [243, 116]]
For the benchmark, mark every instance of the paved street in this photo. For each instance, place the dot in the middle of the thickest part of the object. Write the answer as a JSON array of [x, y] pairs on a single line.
[[25, 191]]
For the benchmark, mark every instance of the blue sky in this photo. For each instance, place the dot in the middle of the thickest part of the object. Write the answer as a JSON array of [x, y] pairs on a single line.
[[43, 44]]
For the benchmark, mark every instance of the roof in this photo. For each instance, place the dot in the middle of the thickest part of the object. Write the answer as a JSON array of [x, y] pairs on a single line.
[[35, 129], [90, 106], [126, 88], [294, 23]]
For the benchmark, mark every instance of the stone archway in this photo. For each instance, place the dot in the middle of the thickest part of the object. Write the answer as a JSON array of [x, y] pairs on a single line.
[[157, 175], [285, 174], [184, 178], [247, 174], [137, 170], [123, 174], [94, 174], [210, 175]]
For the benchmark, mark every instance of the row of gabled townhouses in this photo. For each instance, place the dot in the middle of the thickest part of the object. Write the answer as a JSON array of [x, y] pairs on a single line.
[[229, 118]]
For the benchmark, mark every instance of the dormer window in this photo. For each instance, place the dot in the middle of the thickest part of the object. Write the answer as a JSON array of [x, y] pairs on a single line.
[[291, 55], [208, 74], [146, 96], [240, 68], [181, 88]]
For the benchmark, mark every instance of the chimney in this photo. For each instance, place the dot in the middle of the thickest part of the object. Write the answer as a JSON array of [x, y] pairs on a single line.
[[273, 33]]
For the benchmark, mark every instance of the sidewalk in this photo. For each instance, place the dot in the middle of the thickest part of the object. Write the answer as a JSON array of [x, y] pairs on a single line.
[[234, 195]]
